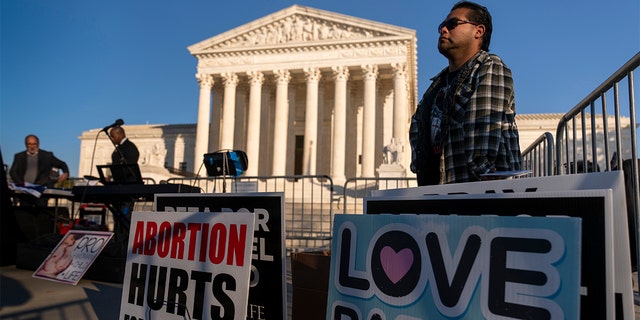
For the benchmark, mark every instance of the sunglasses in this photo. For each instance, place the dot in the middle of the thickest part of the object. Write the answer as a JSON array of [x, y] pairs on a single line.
[[453, 23]]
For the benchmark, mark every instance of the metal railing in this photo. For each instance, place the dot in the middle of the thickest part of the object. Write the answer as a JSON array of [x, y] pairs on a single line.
[[585, 134], [591, 137], [356, 189], [538, 157], [309, 203]]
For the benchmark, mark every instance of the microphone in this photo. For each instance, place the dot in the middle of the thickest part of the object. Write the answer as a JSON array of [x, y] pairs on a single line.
[[118, 122]]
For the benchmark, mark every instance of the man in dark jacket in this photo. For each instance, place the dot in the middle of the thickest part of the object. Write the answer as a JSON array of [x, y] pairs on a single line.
[[464, 126], [37, 166]]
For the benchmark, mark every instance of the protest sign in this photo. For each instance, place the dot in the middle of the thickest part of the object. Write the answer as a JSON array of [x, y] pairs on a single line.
[[598, 299], [73, 256], [619, 303], [407, 266], [187, 265]]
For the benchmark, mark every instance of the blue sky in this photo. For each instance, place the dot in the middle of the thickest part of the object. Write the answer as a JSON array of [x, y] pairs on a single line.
[[75, 65]]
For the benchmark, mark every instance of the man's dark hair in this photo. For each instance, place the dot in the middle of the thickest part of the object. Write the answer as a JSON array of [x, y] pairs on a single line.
[[30, 136], [480, 15]]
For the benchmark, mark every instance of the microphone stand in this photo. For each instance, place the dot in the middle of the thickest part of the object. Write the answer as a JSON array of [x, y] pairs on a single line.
[[225, 170]]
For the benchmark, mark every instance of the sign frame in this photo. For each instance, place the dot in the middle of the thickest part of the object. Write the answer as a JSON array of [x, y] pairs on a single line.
[[595, 207], [613, 180]]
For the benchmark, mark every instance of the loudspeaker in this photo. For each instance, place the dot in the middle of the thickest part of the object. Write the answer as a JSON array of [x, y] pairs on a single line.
[[226, 163]]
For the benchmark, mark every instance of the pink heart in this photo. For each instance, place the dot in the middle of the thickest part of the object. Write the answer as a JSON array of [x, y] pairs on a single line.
[[396, 264]]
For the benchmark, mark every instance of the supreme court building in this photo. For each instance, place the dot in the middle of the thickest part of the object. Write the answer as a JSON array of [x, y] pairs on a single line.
[[306, 91]]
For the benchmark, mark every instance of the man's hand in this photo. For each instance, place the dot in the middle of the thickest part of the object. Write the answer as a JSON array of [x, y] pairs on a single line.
[[63, 177]]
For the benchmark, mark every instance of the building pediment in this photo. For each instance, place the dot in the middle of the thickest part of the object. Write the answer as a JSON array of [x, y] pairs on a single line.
[[300, 26]]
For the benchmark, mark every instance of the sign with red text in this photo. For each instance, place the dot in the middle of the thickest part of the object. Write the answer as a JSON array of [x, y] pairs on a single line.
[[407, 266], [73, 256], [187, 266], [268, 283]]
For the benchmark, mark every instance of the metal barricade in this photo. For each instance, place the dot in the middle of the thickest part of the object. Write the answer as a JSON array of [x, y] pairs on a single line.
[[308, 203], [585, 136], [356, 189], [538, 157], [591, 137]]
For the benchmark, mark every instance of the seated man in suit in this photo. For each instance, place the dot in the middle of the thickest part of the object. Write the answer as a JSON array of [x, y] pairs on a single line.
[[37, 166]]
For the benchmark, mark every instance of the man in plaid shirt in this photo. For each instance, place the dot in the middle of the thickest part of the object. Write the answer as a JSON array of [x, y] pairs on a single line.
[[464, 125]]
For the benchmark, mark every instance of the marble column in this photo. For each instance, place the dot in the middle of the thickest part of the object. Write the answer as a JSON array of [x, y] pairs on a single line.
[[281, 122], [216, 116], [204, 113], [178, 151], [312, 76], [228, 110], [400, 118], [370, 73], [253, 122], [340, 77]]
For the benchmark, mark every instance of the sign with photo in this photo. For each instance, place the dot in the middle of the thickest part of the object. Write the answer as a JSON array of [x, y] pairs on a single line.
[[187, 266], [73, 256], [408, 266], [268, 286]]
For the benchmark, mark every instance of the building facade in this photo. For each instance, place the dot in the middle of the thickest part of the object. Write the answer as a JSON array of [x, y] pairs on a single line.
[[306, 91], [172, 146], [166, 151]]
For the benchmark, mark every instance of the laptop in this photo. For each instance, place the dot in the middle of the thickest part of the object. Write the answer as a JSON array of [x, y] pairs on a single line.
[[111, 174]]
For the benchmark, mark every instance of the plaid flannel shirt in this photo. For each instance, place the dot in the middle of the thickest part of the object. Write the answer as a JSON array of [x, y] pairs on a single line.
[[479, 129]]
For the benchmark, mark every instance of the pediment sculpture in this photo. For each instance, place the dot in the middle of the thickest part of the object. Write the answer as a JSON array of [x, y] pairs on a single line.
[[298, 28]]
